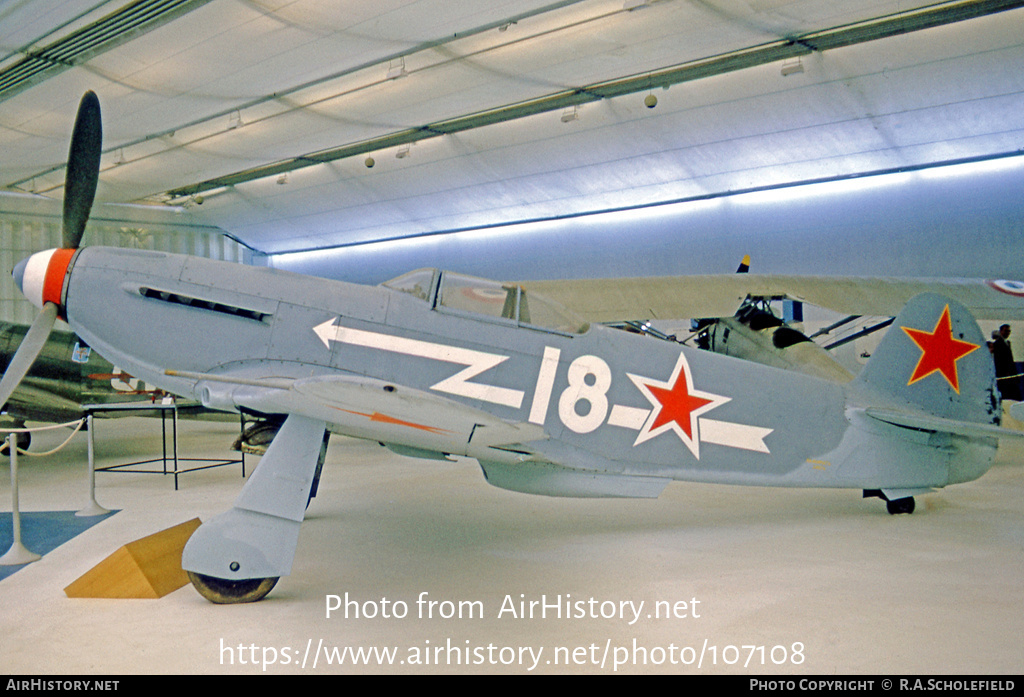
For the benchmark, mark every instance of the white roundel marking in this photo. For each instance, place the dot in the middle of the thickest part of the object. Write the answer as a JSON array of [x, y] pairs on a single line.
[[1015, 288], [35, 276]]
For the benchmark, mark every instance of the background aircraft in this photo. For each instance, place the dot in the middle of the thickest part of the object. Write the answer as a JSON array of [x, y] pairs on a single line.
[[755, 332], [751, 331], [436, 363], [68, 375]]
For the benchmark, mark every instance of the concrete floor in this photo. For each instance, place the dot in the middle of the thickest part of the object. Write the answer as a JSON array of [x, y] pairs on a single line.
[[822, 582]]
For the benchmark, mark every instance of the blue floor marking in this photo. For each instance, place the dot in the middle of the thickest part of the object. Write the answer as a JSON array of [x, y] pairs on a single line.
[[42, 532]]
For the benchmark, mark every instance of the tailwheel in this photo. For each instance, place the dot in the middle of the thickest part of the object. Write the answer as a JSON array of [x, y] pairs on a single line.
[[224, 591], [904, 505]]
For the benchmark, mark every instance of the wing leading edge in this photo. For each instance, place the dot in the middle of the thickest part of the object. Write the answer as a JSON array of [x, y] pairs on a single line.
[[373, 409]]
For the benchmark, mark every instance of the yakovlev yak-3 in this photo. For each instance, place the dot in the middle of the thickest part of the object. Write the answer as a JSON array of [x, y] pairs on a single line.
[[435, 364]]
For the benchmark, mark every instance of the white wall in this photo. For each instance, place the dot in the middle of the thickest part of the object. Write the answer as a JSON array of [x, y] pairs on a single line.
[[965, 220], [29, 225]]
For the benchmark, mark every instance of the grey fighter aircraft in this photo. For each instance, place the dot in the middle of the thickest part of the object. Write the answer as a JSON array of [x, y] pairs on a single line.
[[435, 363]]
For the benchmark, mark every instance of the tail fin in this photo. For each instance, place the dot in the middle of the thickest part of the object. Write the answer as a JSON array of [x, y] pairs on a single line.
[[935, 358]]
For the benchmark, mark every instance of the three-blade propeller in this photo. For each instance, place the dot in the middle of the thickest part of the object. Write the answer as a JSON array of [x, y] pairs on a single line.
[[83, 170], [80, 181]]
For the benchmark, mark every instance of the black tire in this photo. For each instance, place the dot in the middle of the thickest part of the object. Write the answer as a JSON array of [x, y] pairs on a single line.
[[900, 506], [227, 592]]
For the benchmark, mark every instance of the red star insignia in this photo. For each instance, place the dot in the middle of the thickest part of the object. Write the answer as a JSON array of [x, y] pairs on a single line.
[[939, 351], [676, 406]]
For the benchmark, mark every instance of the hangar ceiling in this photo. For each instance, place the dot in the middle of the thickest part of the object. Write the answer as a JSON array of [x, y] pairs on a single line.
[[259, 116]]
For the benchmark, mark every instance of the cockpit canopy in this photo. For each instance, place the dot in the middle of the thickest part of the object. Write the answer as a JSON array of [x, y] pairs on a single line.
[[447, 291]]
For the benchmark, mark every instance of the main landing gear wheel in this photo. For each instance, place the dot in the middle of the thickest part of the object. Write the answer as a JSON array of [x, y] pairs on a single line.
[[905, 505], [224, 592]]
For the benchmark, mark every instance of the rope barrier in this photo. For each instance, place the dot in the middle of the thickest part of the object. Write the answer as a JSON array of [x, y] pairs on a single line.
[[60, 447], [42, 428], [18, 554]]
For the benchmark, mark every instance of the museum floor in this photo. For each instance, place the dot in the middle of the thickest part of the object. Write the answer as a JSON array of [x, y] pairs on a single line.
[[785, 581]]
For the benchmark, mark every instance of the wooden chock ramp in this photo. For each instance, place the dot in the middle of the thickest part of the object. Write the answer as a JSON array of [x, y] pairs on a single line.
[[147, 568]]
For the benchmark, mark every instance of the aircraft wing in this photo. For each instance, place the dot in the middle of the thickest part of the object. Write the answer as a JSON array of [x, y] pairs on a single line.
[[681, 297], [372, 409], [419, 424], [39, 400]]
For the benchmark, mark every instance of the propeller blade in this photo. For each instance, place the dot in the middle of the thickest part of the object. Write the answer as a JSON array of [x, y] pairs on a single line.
[[83, 170], [26, 354]]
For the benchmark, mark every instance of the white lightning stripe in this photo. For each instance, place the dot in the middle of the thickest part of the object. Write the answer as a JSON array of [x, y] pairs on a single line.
[[476, 361], [734, 435], [711, 431], [545, 383], [628, 417]]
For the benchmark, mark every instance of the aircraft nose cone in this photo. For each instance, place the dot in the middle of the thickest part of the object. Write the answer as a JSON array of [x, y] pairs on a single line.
[[41, 276], [19, 273]]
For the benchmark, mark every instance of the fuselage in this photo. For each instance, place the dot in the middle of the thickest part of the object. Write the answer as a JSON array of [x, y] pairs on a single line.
[[608, 401]]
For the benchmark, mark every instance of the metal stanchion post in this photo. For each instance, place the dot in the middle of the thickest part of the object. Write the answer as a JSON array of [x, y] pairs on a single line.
[[17, 554], [93, 508]]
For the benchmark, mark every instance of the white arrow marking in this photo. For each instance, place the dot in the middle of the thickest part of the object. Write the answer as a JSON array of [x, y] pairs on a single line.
[[476, 361]]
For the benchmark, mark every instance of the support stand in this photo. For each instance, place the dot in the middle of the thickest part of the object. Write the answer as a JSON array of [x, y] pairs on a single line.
[[165, 409], [18, 553], [93, 508]]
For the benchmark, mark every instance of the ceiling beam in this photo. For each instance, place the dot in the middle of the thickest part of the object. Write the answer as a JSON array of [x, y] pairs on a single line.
[[106, 33], [780, 50], [278, 95]]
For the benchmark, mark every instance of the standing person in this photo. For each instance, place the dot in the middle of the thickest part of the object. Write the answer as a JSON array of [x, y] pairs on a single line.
[[1006, 368]]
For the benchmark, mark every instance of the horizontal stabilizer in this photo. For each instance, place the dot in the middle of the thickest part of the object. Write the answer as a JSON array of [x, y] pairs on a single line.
[[924, 422]]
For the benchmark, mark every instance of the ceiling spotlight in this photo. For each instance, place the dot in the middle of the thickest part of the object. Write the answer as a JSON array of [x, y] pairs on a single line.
[[369, 162], [650, 101], [283, 179], [396, 68], [792, 68], [570, 115]]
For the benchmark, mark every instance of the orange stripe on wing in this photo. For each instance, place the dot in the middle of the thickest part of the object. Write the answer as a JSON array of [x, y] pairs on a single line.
[[384, 418]]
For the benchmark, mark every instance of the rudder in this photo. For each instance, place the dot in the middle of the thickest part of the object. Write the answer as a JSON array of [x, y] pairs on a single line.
[[934, 357]]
